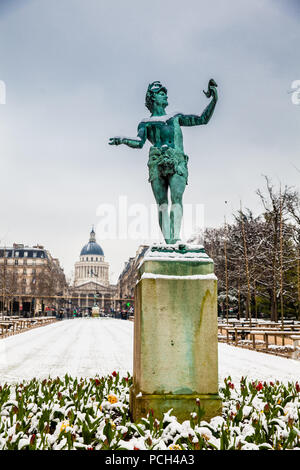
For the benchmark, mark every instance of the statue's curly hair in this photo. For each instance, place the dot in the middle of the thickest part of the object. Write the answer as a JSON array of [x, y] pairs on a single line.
[[153, 88]]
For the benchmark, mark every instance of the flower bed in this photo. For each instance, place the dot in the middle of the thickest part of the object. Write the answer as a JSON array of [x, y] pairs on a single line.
[[67, 413]]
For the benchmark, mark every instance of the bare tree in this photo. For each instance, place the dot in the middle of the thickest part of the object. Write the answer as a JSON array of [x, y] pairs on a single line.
[[257, 257]]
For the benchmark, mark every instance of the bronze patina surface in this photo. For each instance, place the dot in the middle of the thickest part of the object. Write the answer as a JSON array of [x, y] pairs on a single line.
[[167, 161]]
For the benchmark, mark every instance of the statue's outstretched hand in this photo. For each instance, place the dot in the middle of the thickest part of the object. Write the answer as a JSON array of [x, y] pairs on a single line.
[[115, 141], [212, 89]]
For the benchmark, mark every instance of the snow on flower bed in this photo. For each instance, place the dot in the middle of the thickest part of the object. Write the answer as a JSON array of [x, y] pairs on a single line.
[[88, 414]]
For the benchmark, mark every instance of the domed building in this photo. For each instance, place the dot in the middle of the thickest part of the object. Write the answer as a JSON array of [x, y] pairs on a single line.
[[91, 267], [91, 281]]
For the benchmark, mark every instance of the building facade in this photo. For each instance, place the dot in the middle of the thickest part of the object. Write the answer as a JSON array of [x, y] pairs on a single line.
[[31, 280], [128, 279], [91, 282]]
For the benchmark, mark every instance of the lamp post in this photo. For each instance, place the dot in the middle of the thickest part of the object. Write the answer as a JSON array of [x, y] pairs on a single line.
[[92, 274], [4, 282], [33, 303]]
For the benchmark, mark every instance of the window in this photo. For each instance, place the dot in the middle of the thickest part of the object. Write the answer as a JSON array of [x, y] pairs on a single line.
[[17, 254], [25, 254], [34, 254], [96, 258], [24, 272], [91, 258]]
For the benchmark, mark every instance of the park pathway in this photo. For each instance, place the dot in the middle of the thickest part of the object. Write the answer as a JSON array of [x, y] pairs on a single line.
[[81, 347], [86, 347]]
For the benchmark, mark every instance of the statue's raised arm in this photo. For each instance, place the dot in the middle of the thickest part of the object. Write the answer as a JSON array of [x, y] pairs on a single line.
[[197, 120]]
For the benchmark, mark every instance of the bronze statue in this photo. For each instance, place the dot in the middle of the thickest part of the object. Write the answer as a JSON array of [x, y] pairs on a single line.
[[167, 161]]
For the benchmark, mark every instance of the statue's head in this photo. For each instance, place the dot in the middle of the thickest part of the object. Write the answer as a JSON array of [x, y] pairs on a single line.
[[156, 93]]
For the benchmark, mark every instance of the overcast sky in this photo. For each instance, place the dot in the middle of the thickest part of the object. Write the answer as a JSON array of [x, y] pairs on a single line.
[[76, 73]]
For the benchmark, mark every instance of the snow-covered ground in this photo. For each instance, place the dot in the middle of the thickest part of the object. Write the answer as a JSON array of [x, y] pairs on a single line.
[[238, 362], [86, 347], [80, 347]]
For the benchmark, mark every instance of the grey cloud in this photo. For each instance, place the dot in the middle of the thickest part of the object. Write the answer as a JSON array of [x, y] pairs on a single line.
[[76, 74]]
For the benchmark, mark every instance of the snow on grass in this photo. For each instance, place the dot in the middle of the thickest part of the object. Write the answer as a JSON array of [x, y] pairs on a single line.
[[79, 412], [88, 414]]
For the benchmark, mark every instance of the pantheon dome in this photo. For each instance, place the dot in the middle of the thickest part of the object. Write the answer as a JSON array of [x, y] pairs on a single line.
[[91, 283], [92, 247], [91, 266]]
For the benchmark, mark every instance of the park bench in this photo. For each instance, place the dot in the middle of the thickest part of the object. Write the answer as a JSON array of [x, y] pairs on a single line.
[[236, 331], [275, 334], [233, 333], [6, 325], [12, 325]]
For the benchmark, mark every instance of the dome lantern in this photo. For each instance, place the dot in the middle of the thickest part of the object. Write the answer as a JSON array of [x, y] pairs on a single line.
[[93, 236], [92, 247]]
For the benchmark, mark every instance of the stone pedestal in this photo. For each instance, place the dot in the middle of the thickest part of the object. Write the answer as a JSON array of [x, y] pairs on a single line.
[[95, 312], [175, 334]]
